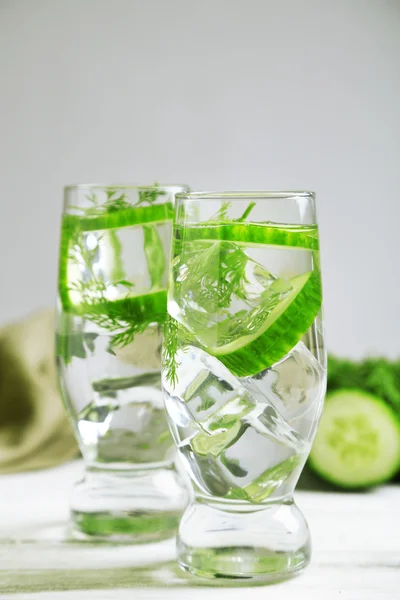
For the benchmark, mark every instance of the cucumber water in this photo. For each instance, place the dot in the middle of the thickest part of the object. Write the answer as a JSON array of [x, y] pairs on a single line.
[[112, 304], [112, 300], [244, 367]]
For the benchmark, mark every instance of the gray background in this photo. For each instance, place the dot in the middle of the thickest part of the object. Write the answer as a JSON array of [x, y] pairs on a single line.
[[217, 94]]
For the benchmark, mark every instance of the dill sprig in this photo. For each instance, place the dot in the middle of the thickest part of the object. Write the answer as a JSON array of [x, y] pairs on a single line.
[[213, 275], [170, 349], [150, 195], [210, 275], [176, 337], [93, 291], [117, 200]]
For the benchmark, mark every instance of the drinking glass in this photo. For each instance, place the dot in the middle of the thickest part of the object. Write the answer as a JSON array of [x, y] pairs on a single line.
[[112, 282], [244, 376]]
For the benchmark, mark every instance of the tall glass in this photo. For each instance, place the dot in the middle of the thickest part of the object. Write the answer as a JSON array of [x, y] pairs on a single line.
[[115, 243], [244, 376]]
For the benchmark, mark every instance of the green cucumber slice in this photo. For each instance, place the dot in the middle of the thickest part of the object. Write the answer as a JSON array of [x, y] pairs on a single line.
[[145, 524], [63, 264], [301, 236], [264, 485], [358, 440], [283, 328], [127, 217], [68, 272], [213, 444]]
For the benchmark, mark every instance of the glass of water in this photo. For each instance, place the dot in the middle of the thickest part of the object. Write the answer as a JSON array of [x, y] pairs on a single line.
[[114, 249], [244, 376]]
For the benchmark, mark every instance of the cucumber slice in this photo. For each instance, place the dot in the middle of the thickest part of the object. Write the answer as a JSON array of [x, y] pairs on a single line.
[[204, 443], [121, 218], [301, 236], [283, 328], [135, 307], [264, 485], [358, 440]]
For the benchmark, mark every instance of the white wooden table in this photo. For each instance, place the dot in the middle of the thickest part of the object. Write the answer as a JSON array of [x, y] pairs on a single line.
[[356, 550]]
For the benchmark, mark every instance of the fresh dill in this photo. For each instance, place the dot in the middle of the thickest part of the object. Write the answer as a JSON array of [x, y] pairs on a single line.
[[176, 337], [170, 350], [93, 292], [117, 200], [149, 195], [211, 275]]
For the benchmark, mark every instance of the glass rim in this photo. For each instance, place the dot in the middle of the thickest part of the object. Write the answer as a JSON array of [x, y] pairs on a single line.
[[246, 194], [122, 186]]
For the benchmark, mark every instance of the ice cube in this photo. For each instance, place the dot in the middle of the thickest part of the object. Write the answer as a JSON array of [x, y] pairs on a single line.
[[265, 419], [206, 471], [136, 417], [137, 433], [234, 295], [251, 454], [207, 393], [279, 479], [209, 397], [241, 464], [94, 421], [293, 386], [204, 444]]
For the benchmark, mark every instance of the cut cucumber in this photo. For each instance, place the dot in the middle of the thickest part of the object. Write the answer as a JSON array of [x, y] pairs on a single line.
[[301, 236], [127, 217], [213, 444], [283, 328], [266, 483], [358, 440], [153, 304]]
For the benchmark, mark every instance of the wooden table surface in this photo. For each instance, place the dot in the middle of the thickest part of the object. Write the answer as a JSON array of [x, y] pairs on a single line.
[[356, 550]]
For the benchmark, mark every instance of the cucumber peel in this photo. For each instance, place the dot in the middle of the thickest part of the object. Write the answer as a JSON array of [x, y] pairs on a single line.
[[358, 440], [299, 236], [127, 217], [133, 306], [283, 328]]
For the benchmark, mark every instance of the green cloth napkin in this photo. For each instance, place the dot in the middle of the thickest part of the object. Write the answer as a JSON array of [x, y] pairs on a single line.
[[34, 430]]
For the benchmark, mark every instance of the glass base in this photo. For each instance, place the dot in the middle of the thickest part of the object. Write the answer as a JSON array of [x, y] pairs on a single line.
[[234, 541], [134, 506]]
